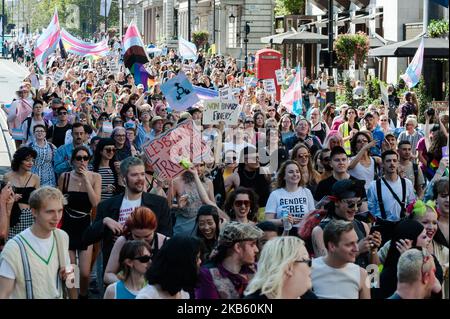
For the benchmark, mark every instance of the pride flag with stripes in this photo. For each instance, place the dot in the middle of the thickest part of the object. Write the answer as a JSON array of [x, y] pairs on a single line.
[[82, 48], [133, 48], [141, 76], [292, 98], [47, 42], [414, 70]]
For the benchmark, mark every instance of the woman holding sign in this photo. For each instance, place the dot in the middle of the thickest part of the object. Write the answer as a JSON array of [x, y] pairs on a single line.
[[291, 200]]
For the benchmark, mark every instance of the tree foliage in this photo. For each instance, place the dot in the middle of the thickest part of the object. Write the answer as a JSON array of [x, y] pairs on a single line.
[[286, 7], [351, 46], [438, 28]]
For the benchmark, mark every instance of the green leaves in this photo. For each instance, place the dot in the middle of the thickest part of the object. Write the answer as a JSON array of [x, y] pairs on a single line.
[[287, 7], [438, 28]]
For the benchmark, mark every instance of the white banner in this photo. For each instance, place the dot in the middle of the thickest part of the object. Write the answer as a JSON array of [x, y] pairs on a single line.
[[216, 111], [280, 76], [269, 86]]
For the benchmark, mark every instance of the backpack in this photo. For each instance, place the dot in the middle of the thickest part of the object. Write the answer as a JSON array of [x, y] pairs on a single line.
[[28, 120], [309, 221]]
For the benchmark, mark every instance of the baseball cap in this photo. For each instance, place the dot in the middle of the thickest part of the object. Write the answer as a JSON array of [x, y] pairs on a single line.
[[140, 86], [348, 188], [368, 114], [234, 232]]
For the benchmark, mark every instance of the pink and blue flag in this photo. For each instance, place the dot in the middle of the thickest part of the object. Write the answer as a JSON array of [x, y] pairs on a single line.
[[48, 41], [292, 98], [414, 70]]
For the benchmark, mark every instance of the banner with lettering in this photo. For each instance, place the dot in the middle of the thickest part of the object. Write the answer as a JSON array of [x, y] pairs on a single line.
[[169, 152], [216, 111]]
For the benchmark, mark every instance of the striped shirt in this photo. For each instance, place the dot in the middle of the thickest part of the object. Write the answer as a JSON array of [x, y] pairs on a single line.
[[107, 179]]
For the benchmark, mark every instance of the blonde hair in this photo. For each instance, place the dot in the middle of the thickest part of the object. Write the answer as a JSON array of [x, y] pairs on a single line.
[[277, 255], [43, 194]]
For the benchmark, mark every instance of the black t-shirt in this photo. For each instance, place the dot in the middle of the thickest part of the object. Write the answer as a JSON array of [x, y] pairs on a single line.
[[58, 134], [324, 188]]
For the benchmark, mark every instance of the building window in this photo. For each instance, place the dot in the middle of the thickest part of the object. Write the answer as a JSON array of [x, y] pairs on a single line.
[[233, 27]]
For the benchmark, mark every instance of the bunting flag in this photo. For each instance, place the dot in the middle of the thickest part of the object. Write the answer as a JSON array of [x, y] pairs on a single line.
[[414, 70], [82, 48], [141, 76], [47, 42], [204, 93], [187, 50], [133, 48], [292, 98]]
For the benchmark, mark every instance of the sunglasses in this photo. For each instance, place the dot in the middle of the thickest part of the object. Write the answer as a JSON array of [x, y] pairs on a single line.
[[303, 156], [352, 203], [249, 122], [109, 149], [306, 261], [239, 203], [326, 159], [62, 113], [143, 259], [82, 158]]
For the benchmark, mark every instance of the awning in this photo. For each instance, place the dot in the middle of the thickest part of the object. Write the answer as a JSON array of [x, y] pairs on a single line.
[[294, 37], [376, 41], [434, 48]]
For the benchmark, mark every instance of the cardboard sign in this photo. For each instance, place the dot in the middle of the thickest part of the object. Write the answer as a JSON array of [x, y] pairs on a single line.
[[58, 76], [279, 74], [216, 111], [179, 92], [441, 107], [169, 153], [269, 86]]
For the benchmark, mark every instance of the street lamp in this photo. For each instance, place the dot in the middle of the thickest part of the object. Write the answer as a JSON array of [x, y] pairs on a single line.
[[231, 18], [189, 20], [247, 31]]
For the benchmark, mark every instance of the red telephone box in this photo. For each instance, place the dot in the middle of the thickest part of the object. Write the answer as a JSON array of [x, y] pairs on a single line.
[[266, 62]]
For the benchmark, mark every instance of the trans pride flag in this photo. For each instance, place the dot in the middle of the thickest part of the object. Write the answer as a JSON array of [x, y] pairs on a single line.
[[47, 42], [82, 48], [414, 70], [292, 98]]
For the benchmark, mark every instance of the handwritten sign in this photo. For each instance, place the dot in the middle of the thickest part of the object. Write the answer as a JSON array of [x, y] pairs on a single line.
[[216, 111], [269, 86], [441, 107], [279, 74], [168, 152]]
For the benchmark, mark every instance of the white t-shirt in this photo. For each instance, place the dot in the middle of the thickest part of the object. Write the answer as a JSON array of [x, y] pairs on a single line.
[[127, 208], [41, 246], [150, 292], [297, 203]]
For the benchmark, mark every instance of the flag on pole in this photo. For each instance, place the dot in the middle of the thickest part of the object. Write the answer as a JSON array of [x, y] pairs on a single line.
[[384, 94], [292, 98], [188, 50], [46, 44], [102, 7], [133, 48], [414, 70]]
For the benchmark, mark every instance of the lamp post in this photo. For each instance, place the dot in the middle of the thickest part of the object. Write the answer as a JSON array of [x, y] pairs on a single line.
[[106, 20], [330, 38], [214, 21], [247, 31], [122, 20], [189, 20], [3, 27]]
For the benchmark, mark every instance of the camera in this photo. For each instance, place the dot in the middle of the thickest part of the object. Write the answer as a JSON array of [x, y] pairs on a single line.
[[430, 112]]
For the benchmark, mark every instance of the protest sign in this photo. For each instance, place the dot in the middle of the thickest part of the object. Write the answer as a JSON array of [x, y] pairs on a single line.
[[226, 93], [169, 152], [179, 92], [216, 111], [58, 76], [269, 86], [280, 76]]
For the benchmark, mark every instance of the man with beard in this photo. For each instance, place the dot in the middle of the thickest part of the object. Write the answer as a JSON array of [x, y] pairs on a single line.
[[112, 213], [64, 152], [335, 275], [325, 160], [389, 196], [230, 270]]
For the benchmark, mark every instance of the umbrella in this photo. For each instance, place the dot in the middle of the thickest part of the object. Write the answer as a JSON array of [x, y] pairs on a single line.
[[434, 48], [294, 37]]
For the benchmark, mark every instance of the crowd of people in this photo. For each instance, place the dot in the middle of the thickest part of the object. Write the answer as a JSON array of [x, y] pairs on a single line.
[[307, 205]]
